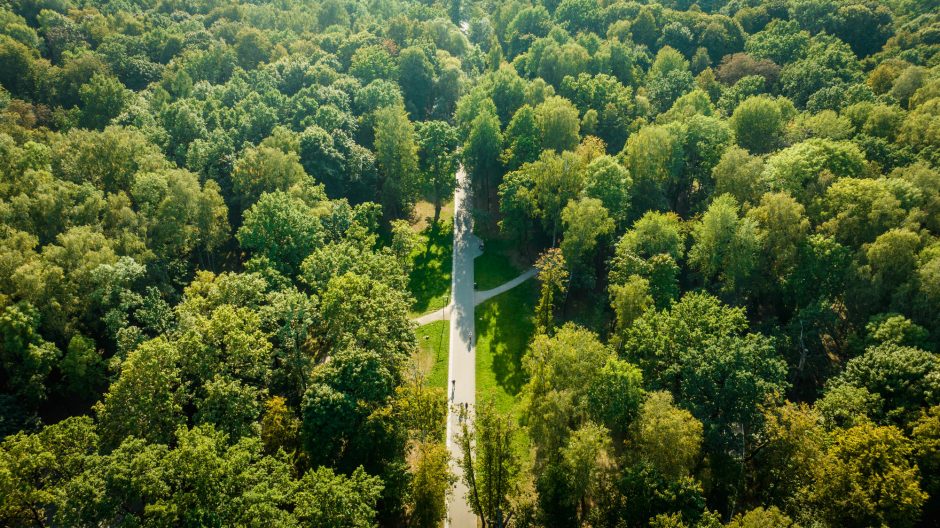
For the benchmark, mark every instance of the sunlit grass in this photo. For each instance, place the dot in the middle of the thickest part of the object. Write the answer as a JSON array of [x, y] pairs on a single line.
[[495, 266], [433, 350], [424, 214], [504, 327]]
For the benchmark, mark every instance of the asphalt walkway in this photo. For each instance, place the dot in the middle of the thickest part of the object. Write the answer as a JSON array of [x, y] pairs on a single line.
[[479, 297], [482, 296], [461, 372]]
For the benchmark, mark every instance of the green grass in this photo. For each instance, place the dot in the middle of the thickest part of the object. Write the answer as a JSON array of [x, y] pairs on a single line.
[[433, 350], [504, 327], [429, 281], [496, 265]]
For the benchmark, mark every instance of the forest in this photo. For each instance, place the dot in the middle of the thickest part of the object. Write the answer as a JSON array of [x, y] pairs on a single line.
[[220, 218]]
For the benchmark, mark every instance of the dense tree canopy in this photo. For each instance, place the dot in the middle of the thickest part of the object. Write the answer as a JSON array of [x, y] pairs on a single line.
[[211, 246]]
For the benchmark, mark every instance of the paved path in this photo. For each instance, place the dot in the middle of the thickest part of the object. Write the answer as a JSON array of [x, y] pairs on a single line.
[[479, 297], [482, 296], [438, 315], [461, 371]]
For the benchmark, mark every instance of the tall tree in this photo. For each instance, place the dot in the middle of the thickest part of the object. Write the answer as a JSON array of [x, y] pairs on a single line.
[[725, 245], [431, 481], [562, 371], [559, 124], [608, 181], [397, 157], [490, 465], [481, 152], [523, 137], [103, 99], [758, 124], [629, 300], [654, 157], [553, 274], [281, 229], [587, 224], [666, 436], [782, 227], [147, 399], [417, 81], [264, 169], [867, 478], [437, 145]]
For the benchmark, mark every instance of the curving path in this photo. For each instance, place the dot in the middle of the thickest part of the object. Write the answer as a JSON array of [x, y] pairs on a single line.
[[438, 315], [482, 296]]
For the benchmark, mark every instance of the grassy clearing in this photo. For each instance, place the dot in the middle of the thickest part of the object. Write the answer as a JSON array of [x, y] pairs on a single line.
[[504, 327], [424, 214], [433, 349], [498, 263], [429, 281]]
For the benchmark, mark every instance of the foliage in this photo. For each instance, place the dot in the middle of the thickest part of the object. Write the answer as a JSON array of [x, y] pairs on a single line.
[[554, 276], [725, 245], [758, 124], [396, 155], [665, 436], [490, 467], [866, 477], [209, 226]]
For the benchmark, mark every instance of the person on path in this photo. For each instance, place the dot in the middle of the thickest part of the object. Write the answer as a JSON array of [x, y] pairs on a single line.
[[453, 389]]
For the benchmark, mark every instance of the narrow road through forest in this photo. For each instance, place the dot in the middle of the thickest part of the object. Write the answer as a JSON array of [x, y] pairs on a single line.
[[461, 370], [461, 388]]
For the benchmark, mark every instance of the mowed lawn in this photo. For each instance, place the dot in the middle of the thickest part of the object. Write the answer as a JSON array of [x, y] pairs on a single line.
[[504, 327], [433, 350], [429, 281], [496, 265]]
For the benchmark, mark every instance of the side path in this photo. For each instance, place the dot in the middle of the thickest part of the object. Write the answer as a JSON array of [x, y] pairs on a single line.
[[479, 298]]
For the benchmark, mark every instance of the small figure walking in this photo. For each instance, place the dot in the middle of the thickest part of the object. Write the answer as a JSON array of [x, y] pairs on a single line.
[[453, 389]]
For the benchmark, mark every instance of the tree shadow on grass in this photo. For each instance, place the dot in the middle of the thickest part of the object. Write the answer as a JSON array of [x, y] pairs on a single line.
[[429, 281], [496, 265], [433, 351], [507, 320]]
